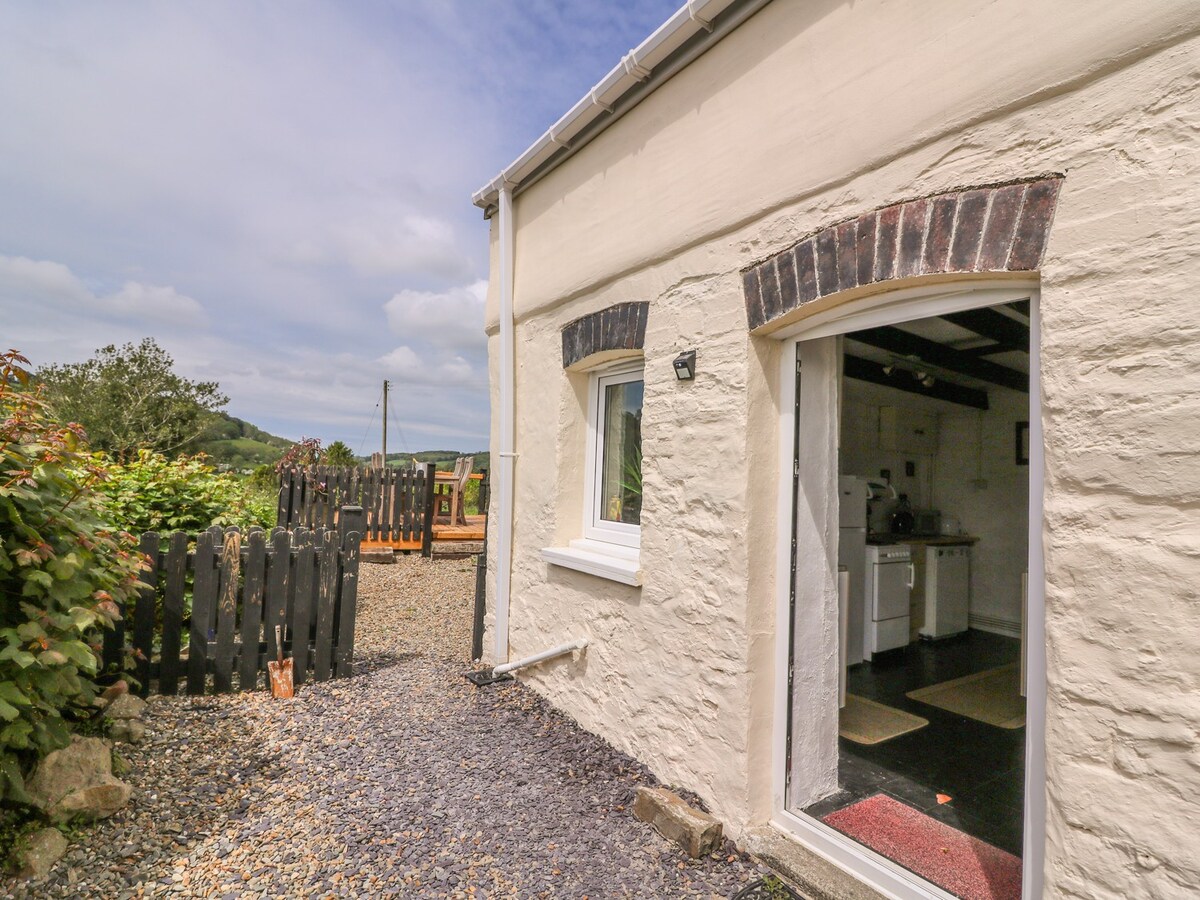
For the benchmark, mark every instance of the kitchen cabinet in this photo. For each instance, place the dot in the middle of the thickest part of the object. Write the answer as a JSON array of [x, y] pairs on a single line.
[[907, 431]]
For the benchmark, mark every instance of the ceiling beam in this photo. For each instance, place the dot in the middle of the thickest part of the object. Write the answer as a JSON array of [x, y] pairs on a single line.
[[867, 370], [1021, 306], [1009, 334], [903, 343]]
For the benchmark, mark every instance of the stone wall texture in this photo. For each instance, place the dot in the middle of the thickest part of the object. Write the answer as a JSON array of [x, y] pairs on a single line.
[[807, 117]]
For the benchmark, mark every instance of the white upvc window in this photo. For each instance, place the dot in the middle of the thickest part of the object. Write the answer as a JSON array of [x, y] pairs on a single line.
[[613, 491]]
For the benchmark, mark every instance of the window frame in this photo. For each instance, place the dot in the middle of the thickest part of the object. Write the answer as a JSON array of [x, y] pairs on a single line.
[[594, 527]]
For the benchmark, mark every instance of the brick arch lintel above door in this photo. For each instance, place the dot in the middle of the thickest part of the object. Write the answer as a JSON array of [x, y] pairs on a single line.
[[620, 327], [997, 228]]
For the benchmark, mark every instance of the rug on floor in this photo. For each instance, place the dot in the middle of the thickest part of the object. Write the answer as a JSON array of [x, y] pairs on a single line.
[[867, 722], [993, 696], [963, 865]]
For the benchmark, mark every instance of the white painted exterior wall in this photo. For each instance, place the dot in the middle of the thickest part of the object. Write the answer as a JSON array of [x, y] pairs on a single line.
[[811, 113]]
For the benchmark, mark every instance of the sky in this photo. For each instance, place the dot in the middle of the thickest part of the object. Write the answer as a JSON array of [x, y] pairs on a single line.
[[279, 193]]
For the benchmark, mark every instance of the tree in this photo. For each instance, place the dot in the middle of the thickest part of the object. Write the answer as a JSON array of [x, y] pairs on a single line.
[[338, 454], [129, 398]]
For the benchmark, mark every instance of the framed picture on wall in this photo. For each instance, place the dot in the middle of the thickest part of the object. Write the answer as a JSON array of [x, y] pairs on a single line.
[[1022, 443]]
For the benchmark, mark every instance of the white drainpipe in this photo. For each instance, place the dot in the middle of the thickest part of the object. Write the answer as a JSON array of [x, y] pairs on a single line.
[[560, 650], [507, 404]]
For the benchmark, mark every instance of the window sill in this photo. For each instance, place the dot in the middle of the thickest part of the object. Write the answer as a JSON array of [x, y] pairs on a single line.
[[611, 561]]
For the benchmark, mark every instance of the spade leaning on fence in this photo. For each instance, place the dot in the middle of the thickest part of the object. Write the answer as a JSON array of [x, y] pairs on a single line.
[[280, 670]]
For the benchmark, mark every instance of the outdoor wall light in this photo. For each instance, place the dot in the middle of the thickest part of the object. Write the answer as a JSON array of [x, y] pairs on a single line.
[[685, 365]]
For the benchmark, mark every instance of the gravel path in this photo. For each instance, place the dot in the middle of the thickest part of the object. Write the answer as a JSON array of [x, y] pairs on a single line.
[[403, 781]]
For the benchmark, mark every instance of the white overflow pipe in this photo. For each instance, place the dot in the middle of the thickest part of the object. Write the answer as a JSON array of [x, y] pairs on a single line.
[[560, 650]]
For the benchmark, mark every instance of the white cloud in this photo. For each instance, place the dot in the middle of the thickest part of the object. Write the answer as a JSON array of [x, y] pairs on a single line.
[[410, 368], [408, 244], [153, 301], [39, 280], [38, 284], [451, 319]]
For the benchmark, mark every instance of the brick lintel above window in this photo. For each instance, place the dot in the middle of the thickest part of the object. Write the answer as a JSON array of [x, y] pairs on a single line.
[[618, 327]]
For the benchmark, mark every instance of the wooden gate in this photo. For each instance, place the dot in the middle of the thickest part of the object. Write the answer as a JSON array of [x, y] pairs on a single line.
[[397, 502], [207, 618]]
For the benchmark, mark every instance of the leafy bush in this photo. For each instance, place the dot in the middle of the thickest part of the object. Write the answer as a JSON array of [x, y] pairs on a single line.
[[305, 452], [63, 572], [153, 493]]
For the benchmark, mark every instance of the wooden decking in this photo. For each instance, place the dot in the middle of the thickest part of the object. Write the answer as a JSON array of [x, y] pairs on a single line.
[[472, 531]]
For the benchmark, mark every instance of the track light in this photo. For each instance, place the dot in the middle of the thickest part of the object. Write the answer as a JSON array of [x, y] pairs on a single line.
[[889, 369]]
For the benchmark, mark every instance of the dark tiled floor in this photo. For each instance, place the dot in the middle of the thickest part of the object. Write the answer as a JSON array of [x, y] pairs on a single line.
[[981, 767]]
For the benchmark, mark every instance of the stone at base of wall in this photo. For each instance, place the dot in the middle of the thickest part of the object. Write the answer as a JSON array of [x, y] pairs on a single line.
[[816, 877], [696, 832], [384, 555]]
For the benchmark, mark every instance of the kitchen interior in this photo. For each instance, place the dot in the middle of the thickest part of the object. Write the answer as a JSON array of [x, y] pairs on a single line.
[[933, 483]]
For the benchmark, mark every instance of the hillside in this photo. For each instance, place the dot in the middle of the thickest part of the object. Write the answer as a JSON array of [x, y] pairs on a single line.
[[230, 441], [443, 459]]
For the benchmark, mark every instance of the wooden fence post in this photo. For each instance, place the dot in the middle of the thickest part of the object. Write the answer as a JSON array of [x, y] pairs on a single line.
[[255, 583], [347, 605], [427, 529], [204, 598], [351, 519], [304, 582], [144, 614], [172, 614], [231, 562]]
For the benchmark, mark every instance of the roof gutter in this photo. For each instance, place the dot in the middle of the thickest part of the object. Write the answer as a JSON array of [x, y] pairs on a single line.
[[693, 29]]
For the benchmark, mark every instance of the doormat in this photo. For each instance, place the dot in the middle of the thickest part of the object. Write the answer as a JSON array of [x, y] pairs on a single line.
[[867, 722], [993, 696], [963, 865]]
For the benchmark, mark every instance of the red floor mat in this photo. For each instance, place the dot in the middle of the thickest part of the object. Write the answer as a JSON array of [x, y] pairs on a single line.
[[956, 862]]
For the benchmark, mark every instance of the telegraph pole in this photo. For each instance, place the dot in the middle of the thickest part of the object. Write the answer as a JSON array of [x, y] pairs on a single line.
[[385, 407]]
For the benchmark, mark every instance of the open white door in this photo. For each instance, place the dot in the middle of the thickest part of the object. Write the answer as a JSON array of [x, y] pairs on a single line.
[[813, 760]]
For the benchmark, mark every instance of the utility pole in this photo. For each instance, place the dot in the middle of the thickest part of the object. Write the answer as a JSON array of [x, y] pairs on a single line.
[[385, 406]]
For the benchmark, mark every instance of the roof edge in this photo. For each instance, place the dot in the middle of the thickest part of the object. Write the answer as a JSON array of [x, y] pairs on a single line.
[[688, 33]]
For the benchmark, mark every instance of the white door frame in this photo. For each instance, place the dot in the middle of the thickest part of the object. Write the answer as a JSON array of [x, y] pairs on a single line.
[[892, 308]]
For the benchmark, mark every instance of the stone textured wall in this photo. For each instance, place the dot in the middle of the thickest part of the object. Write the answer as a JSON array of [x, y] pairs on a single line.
[[680, 673]]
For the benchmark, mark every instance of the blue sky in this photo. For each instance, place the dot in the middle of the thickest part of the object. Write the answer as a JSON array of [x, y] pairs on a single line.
[[279, 193]]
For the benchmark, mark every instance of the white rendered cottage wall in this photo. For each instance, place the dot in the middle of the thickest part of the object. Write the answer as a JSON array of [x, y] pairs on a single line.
[[806, 116]]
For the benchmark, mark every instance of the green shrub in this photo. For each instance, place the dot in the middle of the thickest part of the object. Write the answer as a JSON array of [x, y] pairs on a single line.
[[63, 572], [153, 493]]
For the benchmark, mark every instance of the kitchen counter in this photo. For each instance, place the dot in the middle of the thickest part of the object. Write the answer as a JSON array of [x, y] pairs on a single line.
[[931, 540]]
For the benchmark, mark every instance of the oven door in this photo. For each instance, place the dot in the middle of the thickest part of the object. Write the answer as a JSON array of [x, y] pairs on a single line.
[[892, 585]]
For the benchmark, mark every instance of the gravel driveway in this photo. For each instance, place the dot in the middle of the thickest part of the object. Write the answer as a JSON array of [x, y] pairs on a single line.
[[403, 781]]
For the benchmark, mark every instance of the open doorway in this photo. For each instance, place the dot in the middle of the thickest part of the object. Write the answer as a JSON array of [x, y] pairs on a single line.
[[929, 458]]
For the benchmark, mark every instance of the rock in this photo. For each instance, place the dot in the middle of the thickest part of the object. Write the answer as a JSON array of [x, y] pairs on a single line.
[[77, 781], [38, 852], [98, 801], [125, 706], [129, 731], [114, 690], [696, 832], [384, 555]]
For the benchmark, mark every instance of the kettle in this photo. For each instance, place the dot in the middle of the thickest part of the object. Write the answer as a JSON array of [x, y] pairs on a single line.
[[902, 517]]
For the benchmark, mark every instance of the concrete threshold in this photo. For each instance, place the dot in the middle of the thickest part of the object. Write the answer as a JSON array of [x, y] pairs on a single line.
[[814, 876]]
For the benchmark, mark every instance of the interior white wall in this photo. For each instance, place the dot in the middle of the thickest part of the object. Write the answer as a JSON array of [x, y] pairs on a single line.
[[973, 476], [977, 479]]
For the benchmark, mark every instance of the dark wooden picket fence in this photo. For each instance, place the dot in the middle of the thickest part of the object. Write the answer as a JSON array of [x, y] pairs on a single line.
[[397, 502], [207, 619]]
